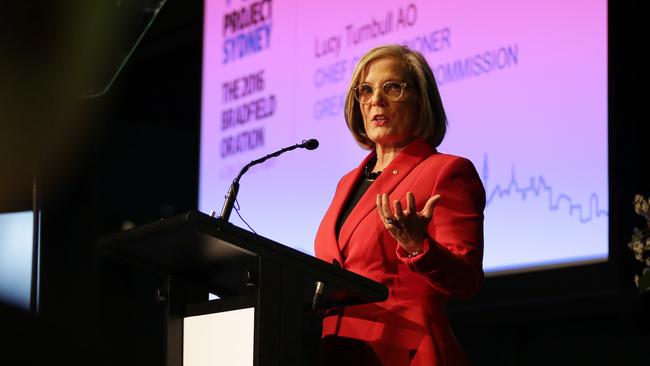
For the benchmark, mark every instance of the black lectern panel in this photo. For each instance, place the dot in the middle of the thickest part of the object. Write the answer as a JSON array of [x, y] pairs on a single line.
[[181, 259], [207, 251]]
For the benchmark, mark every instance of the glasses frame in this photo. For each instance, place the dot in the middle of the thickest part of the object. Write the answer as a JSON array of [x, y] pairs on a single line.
[[403, 87]]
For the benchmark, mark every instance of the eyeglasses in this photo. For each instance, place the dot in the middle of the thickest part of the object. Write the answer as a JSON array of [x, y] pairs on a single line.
[[392, 90]]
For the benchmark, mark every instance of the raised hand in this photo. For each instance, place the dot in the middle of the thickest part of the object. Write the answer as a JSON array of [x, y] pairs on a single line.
[[408, 227]]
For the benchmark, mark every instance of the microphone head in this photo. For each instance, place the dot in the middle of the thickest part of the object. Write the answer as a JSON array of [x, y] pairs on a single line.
[[310, 144]]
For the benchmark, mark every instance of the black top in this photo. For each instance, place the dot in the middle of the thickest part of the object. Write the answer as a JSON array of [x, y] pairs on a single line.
[[361, 187]]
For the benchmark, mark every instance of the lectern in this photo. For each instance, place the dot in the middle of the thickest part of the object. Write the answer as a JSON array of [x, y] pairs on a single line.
[[250, 276]]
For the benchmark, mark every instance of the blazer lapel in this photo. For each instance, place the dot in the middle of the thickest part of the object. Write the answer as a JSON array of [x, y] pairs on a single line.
[[393, 174], [341, 197]]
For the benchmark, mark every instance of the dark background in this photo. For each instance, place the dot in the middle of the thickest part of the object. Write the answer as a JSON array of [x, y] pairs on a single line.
[[131, 155]]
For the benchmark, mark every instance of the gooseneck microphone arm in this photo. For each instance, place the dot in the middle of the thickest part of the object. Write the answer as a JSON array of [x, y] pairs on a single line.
[[226, 210]]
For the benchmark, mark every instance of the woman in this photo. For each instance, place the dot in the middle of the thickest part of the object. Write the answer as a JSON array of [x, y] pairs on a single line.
[[407, 216]]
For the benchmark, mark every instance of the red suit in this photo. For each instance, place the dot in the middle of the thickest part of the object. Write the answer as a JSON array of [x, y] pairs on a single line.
[[410, 327]]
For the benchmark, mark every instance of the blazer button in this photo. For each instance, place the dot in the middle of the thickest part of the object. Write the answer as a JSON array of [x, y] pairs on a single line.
[[395, 171]]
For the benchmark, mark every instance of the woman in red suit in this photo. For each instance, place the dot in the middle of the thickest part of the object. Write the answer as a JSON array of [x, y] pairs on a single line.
[[408, 217]]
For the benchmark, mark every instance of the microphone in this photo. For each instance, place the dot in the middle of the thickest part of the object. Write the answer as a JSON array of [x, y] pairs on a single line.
[[226, 210], [320, 285], [310, 144], [320, 288]]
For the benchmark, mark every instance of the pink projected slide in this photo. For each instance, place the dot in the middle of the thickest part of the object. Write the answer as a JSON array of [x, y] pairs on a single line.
[[524, 85]]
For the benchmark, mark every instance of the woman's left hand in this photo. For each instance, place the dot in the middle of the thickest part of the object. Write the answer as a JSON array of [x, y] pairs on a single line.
[[408, 227]]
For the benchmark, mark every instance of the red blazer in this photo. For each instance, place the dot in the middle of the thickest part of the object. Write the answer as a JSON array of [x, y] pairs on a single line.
[[410, 327]]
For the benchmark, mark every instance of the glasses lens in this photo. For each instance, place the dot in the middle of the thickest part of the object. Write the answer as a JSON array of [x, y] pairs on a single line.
[[393, 90], [364, 93]]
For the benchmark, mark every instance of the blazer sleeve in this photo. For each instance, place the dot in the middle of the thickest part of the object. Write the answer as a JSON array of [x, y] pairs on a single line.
[[452, 254]]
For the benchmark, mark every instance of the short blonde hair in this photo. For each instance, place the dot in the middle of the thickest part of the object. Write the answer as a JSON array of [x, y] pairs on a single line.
[[432, 124]]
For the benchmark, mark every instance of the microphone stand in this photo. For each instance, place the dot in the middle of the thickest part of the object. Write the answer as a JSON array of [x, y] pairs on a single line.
[[226, 210]]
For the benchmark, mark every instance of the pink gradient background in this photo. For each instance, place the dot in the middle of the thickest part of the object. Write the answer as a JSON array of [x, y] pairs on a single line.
[[545, 116]]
